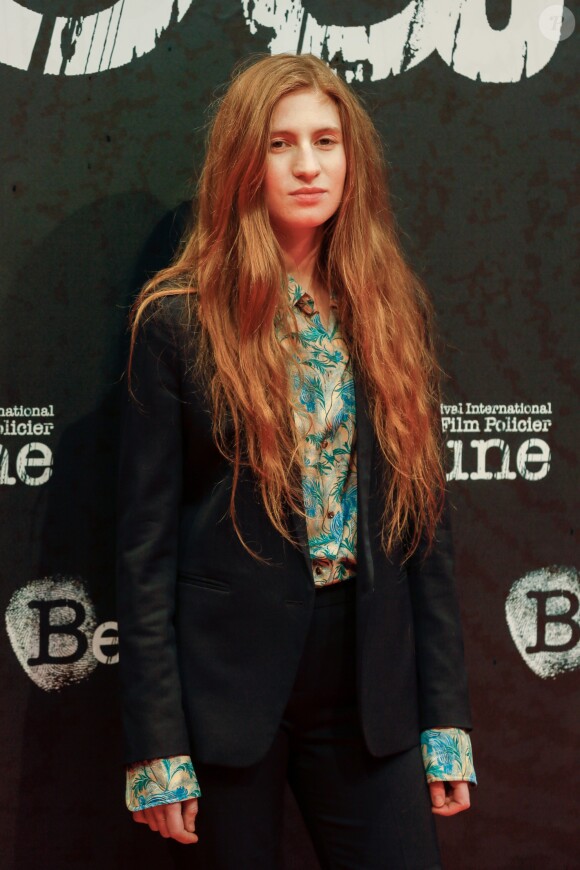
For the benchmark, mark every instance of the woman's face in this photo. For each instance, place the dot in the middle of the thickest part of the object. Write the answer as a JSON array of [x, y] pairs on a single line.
[[305, 166]]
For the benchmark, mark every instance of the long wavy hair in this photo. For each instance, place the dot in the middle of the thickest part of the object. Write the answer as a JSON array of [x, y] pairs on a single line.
[[231, 270]]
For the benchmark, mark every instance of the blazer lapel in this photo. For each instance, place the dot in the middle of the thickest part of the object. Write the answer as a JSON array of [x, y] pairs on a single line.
[[364, 448], [299, 524]]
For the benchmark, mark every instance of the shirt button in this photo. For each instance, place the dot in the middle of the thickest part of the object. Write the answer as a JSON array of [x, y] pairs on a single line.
[[318, 570], [330, 514], [324, 443]]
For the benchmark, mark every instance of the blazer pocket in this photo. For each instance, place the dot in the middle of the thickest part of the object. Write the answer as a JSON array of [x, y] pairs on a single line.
[[203, 582]]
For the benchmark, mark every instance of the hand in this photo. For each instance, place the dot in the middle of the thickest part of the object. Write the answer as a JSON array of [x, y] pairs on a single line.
[[449, 798], [175, 820]]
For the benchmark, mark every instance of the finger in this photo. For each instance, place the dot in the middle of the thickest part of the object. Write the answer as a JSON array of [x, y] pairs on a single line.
[[151, 818], [175, 826], [437, 790], [161, 821], [189, 810], [461, 794], [139, 816], [458, 798], [456, 801]]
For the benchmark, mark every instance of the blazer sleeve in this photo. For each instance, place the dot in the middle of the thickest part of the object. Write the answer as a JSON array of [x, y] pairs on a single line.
[[442, 677], [149, 499]]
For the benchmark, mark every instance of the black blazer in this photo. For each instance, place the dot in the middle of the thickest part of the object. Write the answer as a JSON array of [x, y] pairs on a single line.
[[210, 639]]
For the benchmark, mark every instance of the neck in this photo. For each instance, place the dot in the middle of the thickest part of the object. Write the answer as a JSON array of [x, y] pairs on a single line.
[[301, 256]]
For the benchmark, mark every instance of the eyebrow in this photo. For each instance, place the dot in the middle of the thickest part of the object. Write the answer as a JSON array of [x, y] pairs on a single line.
[[335, 130]]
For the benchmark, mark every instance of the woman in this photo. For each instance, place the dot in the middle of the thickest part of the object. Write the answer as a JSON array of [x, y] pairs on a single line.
[[286, 599]]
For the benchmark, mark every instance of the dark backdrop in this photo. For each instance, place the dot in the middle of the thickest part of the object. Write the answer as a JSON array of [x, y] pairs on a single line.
[[103, 107]]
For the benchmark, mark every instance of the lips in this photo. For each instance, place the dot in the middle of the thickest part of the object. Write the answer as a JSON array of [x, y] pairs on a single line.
[[308, 196], [307, 191]]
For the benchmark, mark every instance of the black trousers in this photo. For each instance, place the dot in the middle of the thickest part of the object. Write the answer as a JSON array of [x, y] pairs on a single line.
[[362, 813]]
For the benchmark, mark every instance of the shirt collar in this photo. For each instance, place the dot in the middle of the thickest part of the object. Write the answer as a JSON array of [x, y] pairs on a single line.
[[296, 292]]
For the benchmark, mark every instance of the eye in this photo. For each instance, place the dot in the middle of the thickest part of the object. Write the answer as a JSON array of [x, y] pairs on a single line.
[[327, 141], [277, 144]]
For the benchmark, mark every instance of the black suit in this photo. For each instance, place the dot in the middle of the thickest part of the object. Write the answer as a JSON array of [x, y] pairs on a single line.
[[211, 639]]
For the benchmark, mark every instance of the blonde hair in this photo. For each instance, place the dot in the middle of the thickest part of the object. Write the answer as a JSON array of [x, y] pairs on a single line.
[[231, 269]]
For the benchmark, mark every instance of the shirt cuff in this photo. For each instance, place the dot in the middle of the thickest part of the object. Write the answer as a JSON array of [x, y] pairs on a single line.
[[447, 755], [160, 781]]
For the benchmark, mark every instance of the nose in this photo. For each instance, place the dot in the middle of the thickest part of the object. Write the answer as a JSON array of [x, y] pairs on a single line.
[[306, 164]]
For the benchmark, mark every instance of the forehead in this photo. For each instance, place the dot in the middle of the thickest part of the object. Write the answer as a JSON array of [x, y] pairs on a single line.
[[305, 107]]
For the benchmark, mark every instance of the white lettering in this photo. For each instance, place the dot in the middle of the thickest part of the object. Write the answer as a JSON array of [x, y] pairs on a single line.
[[466, 41], [457, 472], [458, 30], [25, 460], [532, 452], [6, 478], [526, 454], [482, 473], [86, 44], [106, 636]]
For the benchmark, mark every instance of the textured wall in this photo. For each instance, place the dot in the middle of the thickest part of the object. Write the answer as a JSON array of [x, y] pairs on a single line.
[[104, 106]]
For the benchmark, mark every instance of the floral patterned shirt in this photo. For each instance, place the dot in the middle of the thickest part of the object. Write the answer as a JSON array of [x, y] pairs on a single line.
[[324, 411], [322, 389]]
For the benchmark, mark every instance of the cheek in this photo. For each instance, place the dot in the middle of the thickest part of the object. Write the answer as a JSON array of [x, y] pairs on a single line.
[[269, 195], [340, 187], [340, 176], [272, 177]]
